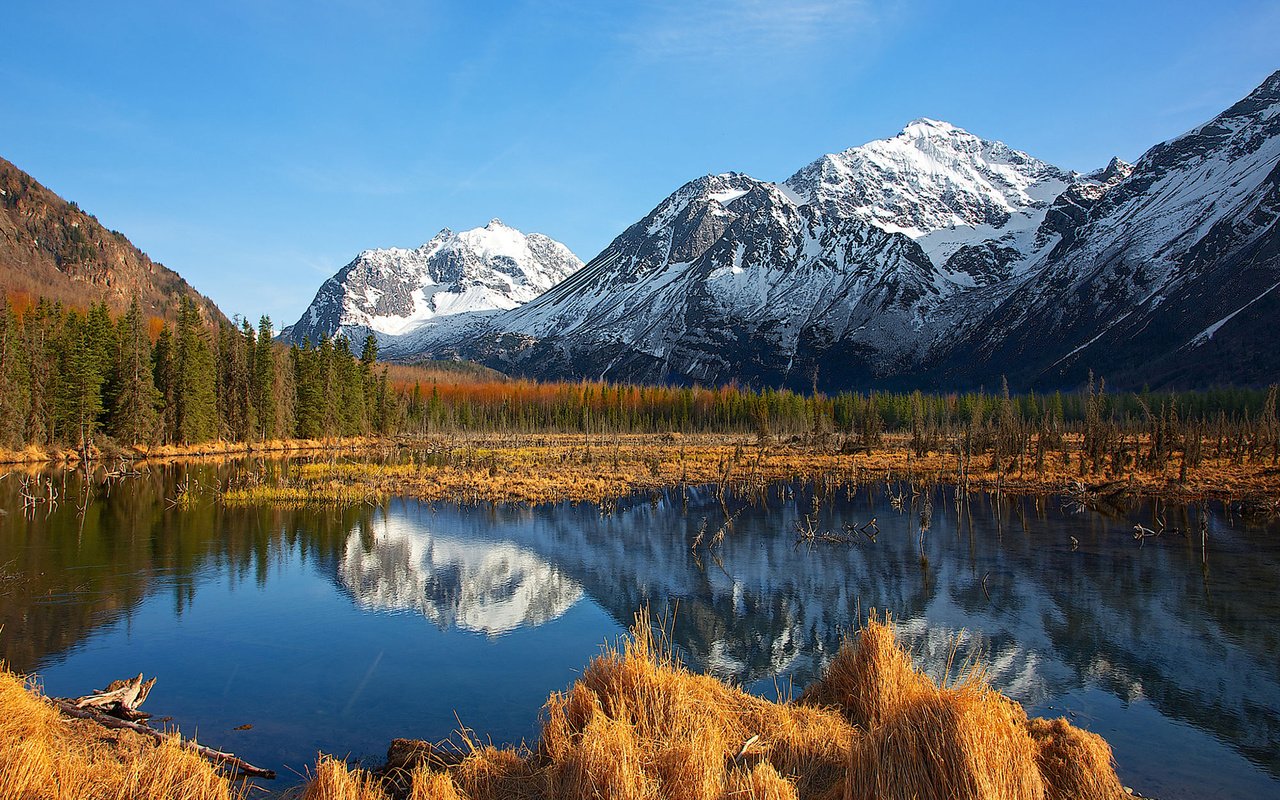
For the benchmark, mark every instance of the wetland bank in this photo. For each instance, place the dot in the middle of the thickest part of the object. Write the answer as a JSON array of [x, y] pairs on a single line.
[[374, 610], [444, 565]]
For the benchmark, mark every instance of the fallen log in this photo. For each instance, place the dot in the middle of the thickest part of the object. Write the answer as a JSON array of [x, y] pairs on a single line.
[[120, 699], [109, 721]]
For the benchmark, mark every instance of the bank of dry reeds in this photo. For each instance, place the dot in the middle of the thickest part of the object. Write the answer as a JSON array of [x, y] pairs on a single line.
[[638, 725], [44, 756]]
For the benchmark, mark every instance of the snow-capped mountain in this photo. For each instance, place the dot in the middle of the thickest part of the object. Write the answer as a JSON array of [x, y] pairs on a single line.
[[932, 258], [728, 277], [392, 291], [972, 205], [1167, 272]]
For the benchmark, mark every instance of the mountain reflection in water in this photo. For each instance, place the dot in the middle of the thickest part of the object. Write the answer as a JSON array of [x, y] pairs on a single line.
[[315, 616], [492, 588]]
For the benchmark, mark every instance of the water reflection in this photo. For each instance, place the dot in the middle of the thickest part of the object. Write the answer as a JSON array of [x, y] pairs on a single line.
[[492, 588], [1099, 624]]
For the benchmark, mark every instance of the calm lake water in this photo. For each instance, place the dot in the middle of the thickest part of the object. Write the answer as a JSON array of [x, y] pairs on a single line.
[[336, 631]]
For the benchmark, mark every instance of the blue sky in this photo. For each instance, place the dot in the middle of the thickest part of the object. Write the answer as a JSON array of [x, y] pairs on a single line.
[[256, 146]]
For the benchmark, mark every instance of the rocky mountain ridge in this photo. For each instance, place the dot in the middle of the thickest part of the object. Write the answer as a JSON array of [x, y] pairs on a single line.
[[50, 248], [932, 259], [393, 291]]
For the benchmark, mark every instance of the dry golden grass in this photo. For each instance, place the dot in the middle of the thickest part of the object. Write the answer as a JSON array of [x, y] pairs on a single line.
[[562, 467], [961, 744], [870, 679], [761, 782], [1076, 764], [638, 725], [43, 755], [428, 785], [681, 732], [332, 780]]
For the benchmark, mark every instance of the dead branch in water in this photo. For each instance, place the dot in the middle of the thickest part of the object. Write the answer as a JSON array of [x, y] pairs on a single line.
[[117, 707]]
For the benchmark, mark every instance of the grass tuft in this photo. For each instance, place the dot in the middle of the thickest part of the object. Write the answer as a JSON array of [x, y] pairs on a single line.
[[43, 755], [1076, 764], [638, 725]]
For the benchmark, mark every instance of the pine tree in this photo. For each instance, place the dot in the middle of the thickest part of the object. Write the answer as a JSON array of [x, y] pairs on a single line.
[[14, 388], [39, 332], [134, 418], [196, 375], [330, 397], [165, 371], [264, 380], [79, 396], [308, 411]]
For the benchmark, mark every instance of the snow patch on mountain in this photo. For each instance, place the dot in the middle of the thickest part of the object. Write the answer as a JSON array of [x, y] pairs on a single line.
[[945, 188], [392, 291]]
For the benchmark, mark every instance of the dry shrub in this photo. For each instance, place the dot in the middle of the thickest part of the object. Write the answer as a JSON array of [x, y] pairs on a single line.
[[333, 780], [606, 764], [428, 785], [488, 773], [965, 743], [872, 678], [1076, 764], [678, 734], [45, 756], [761, 782]]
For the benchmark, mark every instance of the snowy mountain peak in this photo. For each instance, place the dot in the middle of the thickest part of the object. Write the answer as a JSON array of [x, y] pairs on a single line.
[[392, 291], [974, 205], [930, 176], [1115, 168], [924, 126]]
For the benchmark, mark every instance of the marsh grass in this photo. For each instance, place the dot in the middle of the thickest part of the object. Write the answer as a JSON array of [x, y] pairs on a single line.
[[638, 725], [602, 469], [43, 755]]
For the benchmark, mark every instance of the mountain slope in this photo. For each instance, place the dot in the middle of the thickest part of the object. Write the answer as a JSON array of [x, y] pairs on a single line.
[[727, 279], [393, 291], [50, 248], [973, 205], [1169, 276], [930, 259]]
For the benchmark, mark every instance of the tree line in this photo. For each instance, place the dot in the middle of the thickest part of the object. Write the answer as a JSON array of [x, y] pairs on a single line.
[[81, 378], [74, 378]]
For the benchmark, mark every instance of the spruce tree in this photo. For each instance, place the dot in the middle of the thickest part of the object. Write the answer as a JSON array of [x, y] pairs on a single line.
[[78, 400], [165, 371], [308, 410], [134, 417], [14, 388], [196, 376], [40, 333], [264, 381]]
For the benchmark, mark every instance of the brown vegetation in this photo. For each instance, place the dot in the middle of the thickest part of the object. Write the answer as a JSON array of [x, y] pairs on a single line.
[[603, 468], [43, 755], [639, 725]]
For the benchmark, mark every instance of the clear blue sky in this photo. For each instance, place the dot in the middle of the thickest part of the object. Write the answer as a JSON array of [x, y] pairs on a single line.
[[256, 146]]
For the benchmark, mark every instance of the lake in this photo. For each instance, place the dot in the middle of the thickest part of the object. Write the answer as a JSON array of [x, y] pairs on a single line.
[[337, 630]]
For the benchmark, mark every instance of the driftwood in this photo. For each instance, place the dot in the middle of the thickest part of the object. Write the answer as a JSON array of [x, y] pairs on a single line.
[[120, 699], [117, 707]]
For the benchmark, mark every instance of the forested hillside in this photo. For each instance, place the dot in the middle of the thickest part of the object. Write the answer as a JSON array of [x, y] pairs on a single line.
[[50, 248]]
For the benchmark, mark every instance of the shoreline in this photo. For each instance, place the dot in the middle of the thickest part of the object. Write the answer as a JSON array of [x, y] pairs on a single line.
[[540, 468], [638, 724]]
